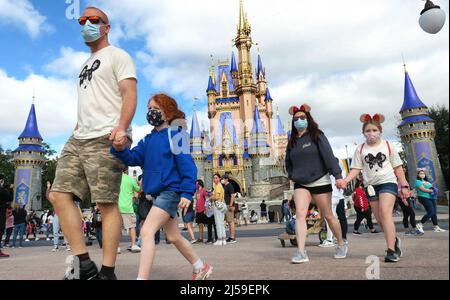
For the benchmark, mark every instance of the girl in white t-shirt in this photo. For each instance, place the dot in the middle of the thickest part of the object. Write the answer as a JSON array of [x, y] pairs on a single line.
[[383, 178]]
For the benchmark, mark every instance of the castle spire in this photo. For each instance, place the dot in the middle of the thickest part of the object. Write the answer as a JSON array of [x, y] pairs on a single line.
[[233, 63], [31, 129], [411, 99]]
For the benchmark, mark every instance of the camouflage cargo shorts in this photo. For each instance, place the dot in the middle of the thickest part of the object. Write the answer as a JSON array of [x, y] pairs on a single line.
[[88, 170]]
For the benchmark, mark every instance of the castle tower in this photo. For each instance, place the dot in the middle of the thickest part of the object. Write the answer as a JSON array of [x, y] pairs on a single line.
[[197, 147], [246, 89], [417, 132], [258, 148], [28, 161]]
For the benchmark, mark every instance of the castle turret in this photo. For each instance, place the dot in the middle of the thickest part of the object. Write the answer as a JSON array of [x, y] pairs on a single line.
[[417, 132], [28, 161], [197, 147]]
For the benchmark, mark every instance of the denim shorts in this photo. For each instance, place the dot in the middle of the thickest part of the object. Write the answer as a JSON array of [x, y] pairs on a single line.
[[168, 201], [389, 188], [189, 217]]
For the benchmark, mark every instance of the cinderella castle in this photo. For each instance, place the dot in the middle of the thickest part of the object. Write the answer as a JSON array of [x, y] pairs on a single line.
[[246, 139]]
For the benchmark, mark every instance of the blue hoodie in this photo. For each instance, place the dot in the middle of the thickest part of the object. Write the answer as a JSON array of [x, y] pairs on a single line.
[[163, 170]]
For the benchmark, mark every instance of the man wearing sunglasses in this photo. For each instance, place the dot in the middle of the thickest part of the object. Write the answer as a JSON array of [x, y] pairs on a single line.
[[86, 169]]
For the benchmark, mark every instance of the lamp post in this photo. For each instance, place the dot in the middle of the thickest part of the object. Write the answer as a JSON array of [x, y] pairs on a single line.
[[432, 18]]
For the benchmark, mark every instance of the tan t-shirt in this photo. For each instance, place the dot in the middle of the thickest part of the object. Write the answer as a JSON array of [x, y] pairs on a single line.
[[99, 98], [376, 164]]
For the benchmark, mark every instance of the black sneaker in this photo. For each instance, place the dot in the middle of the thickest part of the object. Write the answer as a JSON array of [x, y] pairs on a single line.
[[391, 256], [375, 232], [231, 241], [101, 276], [398, 247], [356, 232], [87, 271]]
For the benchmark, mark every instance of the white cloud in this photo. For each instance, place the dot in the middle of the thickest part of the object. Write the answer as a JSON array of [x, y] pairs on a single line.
[[55, 105], [24, 16], [68, 64]]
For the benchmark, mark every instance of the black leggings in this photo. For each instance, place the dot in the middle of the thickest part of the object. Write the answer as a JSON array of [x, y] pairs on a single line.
[[211, 224], [408, 213], [340, 211], [361, 215]]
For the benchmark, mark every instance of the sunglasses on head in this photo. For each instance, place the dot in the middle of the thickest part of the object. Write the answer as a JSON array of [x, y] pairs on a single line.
[[303, 117], [93, 19]]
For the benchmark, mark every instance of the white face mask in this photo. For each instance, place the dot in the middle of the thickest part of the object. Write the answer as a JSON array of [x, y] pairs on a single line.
[[372, 137]]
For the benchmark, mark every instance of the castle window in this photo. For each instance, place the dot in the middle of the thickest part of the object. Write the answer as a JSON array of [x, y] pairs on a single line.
[[425, 123], [29, 152], [411, 125], [410, 110]]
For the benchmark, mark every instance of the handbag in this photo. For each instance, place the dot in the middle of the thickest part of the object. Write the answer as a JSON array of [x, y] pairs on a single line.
[[220, 205]]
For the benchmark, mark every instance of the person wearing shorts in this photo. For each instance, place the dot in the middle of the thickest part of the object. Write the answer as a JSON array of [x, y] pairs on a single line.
[[107, 88], [382, 171], [128, 187]]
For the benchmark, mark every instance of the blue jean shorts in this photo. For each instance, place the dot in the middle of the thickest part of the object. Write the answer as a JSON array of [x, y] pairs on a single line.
[[168, 201], [389, 188], [189, 217]]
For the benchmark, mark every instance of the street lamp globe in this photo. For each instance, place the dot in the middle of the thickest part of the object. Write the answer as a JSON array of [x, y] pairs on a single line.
[[432, 18]]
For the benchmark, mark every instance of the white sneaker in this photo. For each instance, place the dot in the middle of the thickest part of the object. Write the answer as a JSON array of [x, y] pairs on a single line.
[[439, 229], [326, 244], [27, 240], [135, 249], [218, 243], [55, 249], [419, 227], [119, 251], [300, 257], [224, 243], [36, 239], [48, 239], [68, 248]]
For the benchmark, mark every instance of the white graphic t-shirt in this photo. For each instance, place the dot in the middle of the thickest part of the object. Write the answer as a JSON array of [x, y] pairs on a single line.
[[377, 163], [99, 98]]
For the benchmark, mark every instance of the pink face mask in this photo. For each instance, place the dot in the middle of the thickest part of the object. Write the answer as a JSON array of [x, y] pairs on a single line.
[[372, 137]]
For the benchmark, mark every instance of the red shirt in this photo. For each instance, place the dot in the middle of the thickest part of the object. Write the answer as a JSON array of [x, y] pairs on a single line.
[[360, 199], [201, 198]]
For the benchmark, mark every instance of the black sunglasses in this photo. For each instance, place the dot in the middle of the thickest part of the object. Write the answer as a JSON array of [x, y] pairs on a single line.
[[93, 19]]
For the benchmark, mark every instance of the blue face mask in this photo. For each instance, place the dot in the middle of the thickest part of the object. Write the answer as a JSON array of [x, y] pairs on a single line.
[[90, 32], [301, 124]]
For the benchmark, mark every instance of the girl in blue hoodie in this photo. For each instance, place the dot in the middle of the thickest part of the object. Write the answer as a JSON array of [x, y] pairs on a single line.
[[169, 176]]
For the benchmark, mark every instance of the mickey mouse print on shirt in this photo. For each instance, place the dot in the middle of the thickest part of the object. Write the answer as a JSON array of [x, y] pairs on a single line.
[[376, 160], [87, 73]]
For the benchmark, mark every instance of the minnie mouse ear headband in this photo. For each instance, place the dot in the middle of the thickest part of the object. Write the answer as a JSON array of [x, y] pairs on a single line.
[[304, 108], [377, 118]]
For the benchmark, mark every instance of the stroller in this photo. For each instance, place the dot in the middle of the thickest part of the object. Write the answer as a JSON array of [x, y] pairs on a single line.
[[314, 222]]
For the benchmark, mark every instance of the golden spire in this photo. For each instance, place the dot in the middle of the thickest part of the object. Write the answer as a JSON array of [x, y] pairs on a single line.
[[243, 27]]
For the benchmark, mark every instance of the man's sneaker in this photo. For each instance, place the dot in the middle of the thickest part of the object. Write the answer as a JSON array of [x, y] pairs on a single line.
[[3, 255], [438, 229], [203, 273], [300, 257], [224, 242], [398, 247], [418, 232], [209, 242], [218, 243], [27, 240], [341, 252], [194, 241], [420, 227], [135, 249], [326, 244], [375, 232], [391, 256], [86, 271], [356, 232], [55, 249], [101, 276], [231, 241]]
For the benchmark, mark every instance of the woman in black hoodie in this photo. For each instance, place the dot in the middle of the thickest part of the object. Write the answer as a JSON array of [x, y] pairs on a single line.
[[309, 163]]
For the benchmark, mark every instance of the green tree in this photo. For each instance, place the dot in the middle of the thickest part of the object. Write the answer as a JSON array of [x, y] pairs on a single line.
[[440, 116], [6, 165]]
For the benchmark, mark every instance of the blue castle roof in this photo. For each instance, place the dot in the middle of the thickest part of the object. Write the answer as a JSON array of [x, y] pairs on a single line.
[[260, 67], [210, 85], [224, 69], [195, 128], [411, 99], [233, 63], [258, 125], [31, 128], [27, 147], [268, 96], [278, 127]]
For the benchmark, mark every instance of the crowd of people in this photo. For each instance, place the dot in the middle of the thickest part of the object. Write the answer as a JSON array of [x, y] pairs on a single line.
[[94, 161]]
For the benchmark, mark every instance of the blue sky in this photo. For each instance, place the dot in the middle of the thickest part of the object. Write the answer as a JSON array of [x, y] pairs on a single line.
[[342, 62]]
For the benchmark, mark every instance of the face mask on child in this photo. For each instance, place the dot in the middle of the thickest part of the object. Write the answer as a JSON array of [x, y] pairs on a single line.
[[154, 118], [372, 137]]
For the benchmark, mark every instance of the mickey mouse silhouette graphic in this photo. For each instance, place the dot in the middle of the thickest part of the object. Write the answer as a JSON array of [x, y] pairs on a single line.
[[86, 74], [371, 160]]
